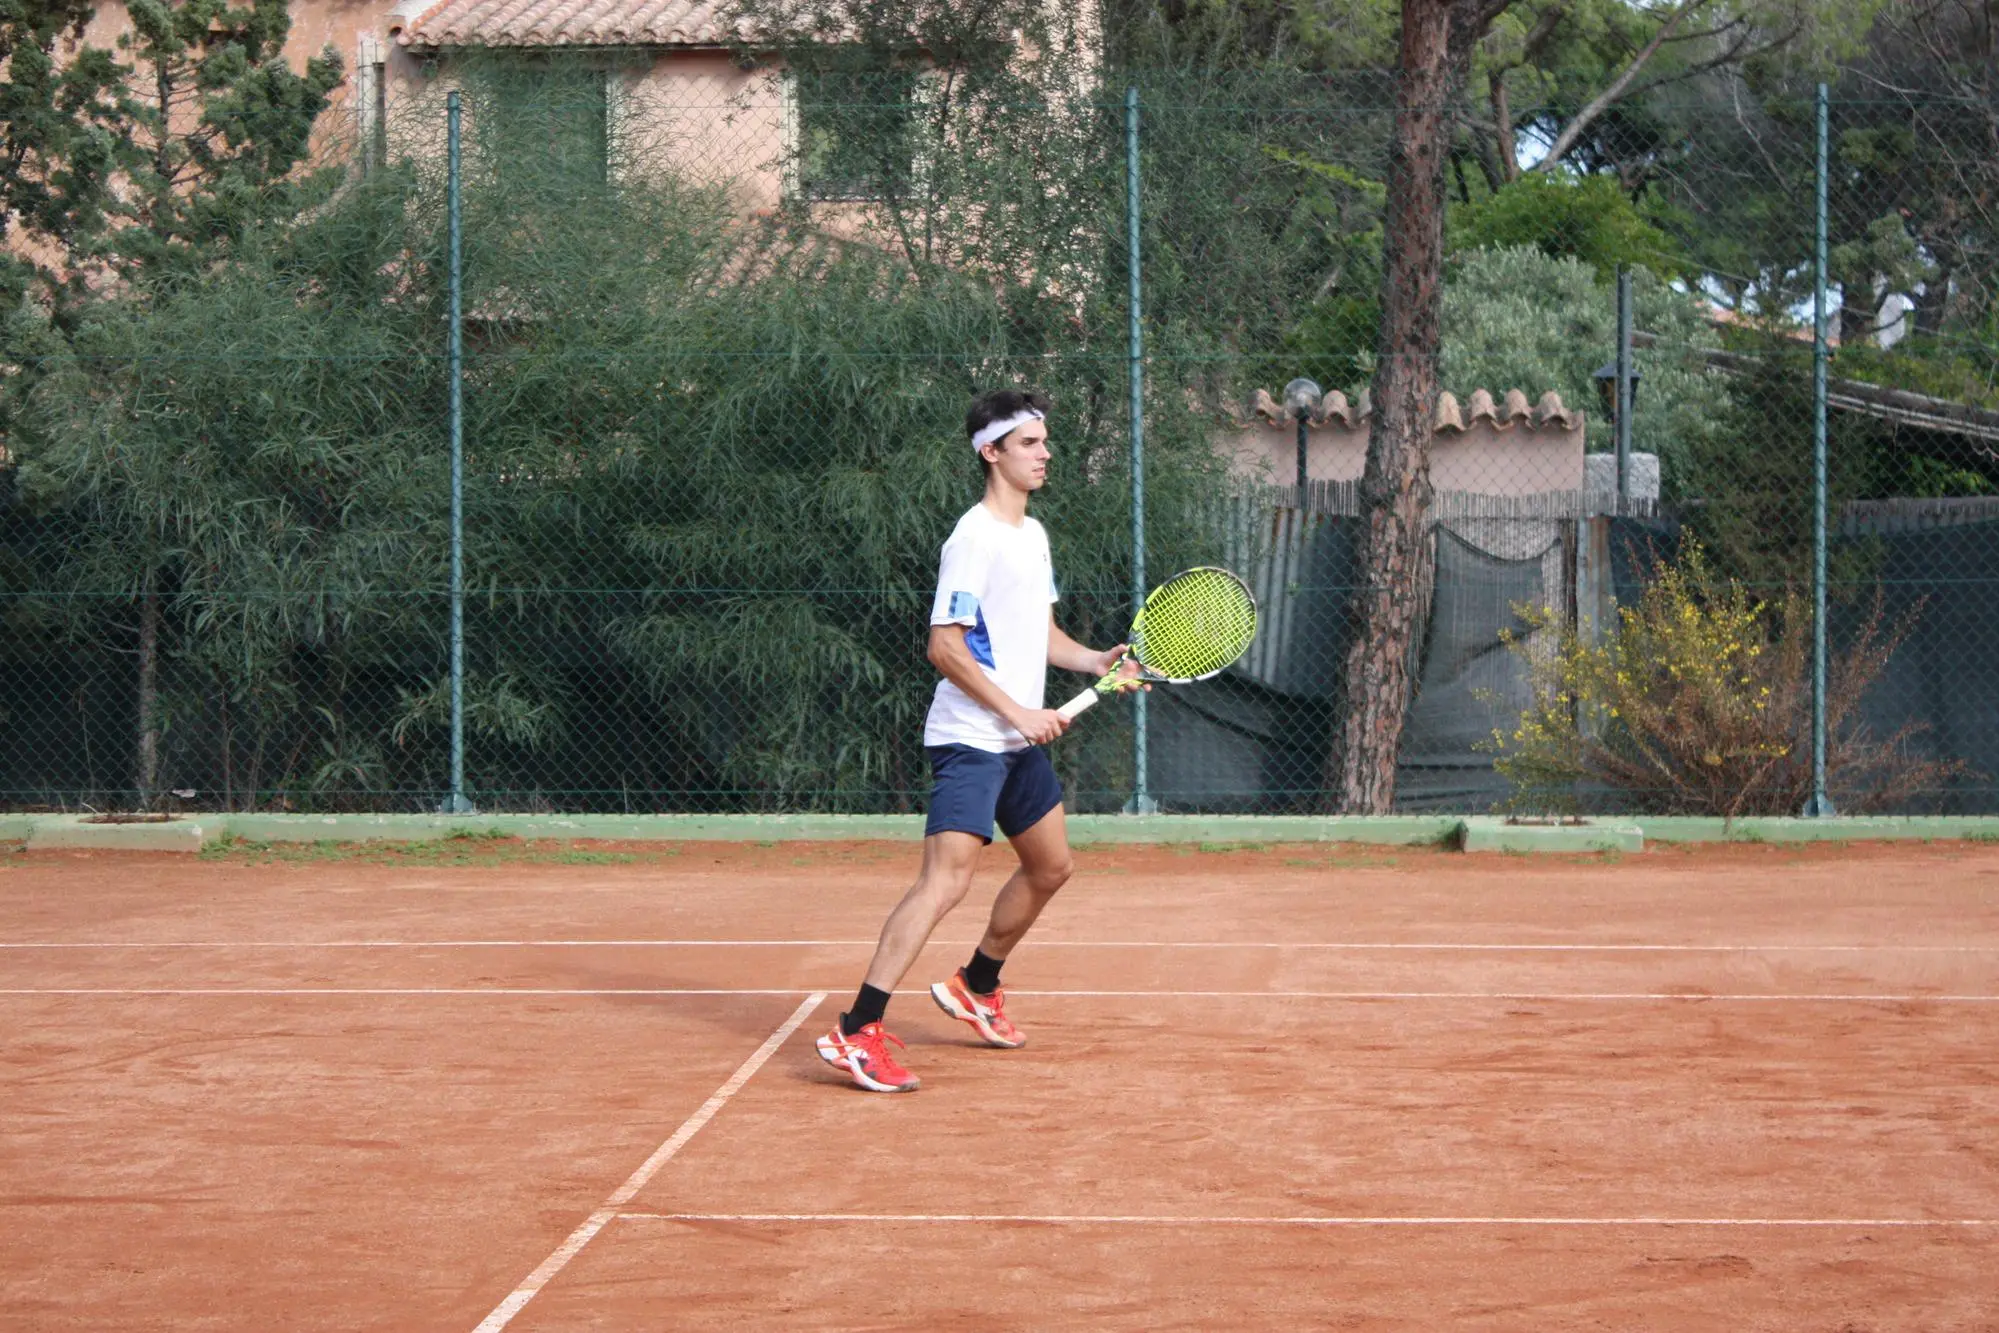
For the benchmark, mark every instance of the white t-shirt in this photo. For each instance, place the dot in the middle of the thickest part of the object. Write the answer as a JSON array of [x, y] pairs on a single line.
[[998, 582]]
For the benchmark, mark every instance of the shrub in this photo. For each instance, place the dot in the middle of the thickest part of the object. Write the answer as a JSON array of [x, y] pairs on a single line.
[[1518, 319], [1586, 218], [1700, 703]]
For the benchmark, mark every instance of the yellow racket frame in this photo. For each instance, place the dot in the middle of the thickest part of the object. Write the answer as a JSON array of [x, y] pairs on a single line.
[[1193, 626]]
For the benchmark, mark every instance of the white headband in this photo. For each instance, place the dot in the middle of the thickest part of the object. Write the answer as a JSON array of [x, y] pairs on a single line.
[[1004, 427]]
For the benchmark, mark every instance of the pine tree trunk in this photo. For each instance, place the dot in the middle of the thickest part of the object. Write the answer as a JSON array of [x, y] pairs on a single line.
[[148, 756], [1395, 487]]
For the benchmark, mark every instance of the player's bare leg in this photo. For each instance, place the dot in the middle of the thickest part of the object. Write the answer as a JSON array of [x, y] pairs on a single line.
[[973, 993], [941, 884], [1045, 866], [858, 1042]]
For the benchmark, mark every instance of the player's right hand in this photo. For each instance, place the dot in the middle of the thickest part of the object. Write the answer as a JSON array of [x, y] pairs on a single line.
[[1041, 725]]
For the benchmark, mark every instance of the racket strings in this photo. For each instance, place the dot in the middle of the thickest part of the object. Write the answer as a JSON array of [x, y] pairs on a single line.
[[1195, 624]]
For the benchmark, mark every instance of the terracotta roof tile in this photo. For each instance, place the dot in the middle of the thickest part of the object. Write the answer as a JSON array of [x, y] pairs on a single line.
[[1451, 415], [543, 23]]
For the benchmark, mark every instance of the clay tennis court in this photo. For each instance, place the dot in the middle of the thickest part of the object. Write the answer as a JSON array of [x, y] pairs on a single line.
[[1297, 1087]]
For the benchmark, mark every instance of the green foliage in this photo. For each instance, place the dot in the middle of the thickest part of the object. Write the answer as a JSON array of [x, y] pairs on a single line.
[[1587, 218], [1951, 370], [276, 476], [713, 423], [1520, 319], [1955, 370], [59, 134], [147, 158], [1337, 224], [141, 168], [1753, 483], [1263, 201], [217, 125], [710, 464]]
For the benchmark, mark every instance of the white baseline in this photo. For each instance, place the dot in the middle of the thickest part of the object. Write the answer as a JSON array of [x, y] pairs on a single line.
[[1113, 1219], [1352, 946], [1608, 997]]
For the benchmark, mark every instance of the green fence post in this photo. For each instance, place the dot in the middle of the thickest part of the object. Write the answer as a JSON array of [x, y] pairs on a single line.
[[1820, 804], [1621, 422], [1141, 795], [456, 804]]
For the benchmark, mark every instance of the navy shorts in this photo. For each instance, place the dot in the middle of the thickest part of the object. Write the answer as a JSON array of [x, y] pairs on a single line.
[[970, 788]]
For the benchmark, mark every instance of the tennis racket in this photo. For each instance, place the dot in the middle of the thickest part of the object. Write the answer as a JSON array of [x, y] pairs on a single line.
[[1191, 627]]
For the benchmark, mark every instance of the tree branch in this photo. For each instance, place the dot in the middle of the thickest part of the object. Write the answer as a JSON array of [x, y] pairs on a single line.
[[1504, 147], [1603, 100], [1544, 28], [1470, 20]]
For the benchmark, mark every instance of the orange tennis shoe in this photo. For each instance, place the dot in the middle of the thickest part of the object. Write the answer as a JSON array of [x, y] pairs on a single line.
[[864, 1055], [986, 1013]]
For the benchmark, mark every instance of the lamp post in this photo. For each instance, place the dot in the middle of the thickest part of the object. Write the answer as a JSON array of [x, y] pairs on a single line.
[[1606, 377], [1623, 382], [1301, 399], [1606, 386]]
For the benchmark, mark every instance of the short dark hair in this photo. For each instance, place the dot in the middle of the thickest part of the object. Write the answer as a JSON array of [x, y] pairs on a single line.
[[1000, 404]]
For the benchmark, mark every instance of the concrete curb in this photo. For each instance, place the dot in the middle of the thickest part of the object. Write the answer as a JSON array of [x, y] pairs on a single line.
[[57, 833], [1390, 830], [1484, 833], [1847, 828], [1474, 833], [636, 828]]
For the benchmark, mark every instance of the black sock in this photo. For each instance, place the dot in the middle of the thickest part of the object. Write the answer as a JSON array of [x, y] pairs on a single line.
[[869, 1006], [982, 973]]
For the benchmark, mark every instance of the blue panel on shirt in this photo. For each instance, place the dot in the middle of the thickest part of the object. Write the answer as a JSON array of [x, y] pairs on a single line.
[[964, 604], [979, 641]]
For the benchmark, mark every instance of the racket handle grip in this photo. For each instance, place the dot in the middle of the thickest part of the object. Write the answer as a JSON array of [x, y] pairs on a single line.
[[1079, 704]]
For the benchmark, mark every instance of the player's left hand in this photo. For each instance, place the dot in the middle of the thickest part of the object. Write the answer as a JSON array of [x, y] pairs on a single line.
[[1127, 672]]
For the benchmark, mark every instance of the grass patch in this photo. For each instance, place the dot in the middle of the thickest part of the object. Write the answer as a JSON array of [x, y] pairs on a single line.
[[583, 856], [471, 848], [1982, 835]]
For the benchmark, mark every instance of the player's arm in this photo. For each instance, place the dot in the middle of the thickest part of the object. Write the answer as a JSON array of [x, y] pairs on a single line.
[[1066, 653], [953, 659]]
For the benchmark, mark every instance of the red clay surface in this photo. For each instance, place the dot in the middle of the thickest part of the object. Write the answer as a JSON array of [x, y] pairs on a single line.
[[1284, 1088]]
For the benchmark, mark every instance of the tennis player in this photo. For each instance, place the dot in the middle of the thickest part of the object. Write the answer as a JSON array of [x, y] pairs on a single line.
[[992, 638]]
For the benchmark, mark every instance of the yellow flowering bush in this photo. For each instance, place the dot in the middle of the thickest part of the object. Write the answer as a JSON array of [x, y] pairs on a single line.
[[1700, 703]]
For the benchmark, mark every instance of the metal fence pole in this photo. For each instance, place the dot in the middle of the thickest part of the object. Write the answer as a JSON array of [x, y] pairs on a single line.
[[456, 804], [1622, 423], [1820, 804], [1141, 795]]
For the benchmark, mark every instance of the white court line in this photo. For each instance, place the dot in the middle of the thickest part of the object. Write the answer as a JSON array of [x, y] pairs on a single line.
[[1703, 997], [1357, 946], [1083, 1219], [504, 1312], [786, 991]]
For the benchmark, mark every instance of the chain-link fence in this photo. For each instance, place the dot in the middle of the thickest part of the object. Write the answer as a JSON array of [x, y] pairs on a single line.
[[719, 326]]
